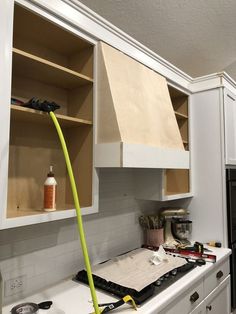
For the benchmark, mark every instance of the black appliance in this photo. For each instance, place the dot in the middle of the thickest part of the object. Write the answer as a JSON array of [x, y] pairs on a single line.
[[139, 296], [231, 215]]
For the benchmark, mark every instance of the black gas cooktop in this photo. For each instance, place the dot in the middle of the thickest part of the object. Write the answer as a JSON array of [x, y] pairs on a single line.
[[139, 296]]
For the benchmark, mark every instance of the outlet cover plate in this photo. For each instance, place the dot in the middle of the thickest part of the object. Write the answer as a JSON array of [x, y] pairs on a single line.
[[15, 285]]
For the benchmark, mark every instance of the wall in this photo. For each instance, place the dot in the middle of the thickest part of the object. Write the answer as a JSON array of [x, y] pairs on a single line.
[[49, 252]]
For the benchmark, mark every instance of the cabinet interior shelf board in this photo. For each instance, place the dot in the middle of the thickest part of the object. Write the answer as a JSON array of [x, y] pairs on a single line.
[[43, 70], [170, 196], [180, 115], [27, 114]]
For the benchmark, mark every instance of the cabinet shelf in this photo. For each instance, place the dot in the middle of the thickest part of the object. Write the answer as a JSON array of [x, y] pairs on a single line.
[[36, 68], [25, 114], [180, 116]]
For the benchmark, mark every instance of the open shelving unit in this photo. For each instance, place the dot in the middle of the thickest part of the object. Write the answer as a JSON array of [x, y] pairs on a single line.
[[54, 65], [24, 114], [177, 181]]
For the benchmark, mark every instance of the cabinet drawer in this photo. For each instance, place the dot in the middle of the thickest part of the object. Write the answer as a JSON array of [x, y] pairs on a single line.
[[216, 277], [187, 301]]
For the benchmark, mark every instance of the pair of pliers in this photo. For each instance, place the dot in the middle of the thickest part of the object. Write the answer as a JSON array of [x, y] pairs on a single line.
[[113, 305]]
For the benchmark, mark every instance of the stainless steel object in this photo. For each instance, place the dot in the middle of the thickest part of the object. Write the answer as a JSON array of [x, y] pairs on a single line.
[[169, 214], [182, 229], [30, 307], [25, 308]]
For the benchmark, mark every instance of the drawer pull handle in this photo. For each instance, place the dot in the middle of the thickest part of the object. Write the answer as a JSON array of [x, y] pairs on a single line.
[[220, 274], [194, 297], [209, 307]]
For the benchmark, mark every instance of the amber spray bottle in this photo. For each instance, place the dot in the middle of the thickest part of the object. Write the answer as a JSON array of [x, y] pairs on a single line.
[[50, 186]]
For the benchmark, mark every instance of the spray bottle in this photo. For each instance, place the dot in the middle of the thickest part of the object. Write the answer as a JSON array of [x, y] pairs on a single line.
[[50, 192]]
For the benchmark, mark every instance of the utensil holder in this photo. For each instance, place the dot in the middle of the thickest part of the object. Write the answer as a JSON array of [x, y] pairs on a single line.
[[154, 237]]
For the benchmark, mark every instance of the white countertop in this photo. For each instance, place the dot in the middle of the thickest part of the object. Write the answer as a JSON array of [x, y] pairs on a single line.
[[70, 297]]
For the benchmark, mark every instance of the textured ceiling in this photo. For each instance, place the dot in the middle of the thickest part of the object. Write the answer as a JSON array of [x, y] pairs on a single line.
[[197, 36]]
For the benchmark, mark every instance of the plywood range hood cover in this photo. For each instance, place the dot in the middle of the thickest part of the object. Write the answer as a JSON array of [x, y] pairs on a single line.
[[135, 112]]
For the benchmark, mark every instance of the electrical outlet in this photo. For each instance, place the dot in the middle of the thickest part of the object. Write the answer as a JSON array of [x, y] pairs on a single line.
[[14, 285]]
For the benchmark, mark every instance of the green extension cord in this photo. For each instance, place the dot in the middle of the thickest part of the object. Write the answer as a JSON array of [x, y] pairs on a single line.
[[78, 214]]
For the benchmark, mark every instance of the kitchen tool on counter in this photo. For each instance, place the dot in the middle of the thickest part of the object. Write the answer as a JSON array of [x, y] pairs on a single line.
[[168, 214], [113, 305], [182, 229], [214, 243], [153, 229], [193, 255], [30, 307]]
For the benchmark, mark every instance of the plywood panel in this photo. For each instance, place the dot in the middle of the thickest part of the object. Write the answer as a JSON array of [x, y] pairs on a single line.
[[49, 35], [108, 129], [33, 67], [80, 144], [141, 101], [33, 149], [82, 62], [176, 181], [26, 89], [180, 104], [80, 102], [26, 115]]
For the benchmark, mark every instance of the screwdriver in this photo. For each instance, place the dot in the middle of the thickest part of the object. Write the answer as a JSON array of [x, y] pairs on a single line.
[[214, 243]]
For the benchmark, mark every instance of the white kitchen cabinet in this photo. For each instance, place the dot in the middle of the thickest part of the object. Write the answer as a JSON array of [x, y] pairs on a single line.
[[230, 127], [200, 309], [218, 301], [187, 301], [41, 67], [208, 168], [211, 294]]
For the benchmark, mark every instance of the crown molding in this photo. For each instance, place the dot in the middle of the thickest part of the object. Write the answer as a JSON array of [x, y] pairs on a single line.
[[77, 15], [125, 37], [91, 24], [211, 81]]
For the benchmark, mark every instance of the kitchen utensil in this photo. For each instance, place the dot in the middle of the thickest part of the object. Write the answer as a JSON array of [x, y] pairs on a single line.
[[193, 255], [30, 307], [113, 305], [181, 229], [168, 214], [151, 222], [154, 237]]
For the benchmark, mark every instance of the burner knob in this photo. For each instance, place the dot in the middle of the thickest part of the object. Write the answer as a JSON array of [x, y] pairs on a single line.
[[157, 283], [174, 272], [167, 275]]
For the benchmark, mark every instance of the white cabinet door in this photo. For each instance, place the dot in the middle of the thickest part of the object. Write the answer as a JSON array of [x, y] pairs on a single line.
[[200, 309], [188, 301], [230, 127], [218, 301]]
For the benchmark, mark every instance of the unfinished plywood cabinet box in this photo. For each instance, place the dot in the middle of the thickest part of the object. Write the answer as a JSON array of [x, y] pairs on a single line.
[[44, 68], [142, 123], [137, 126], [168, 184]]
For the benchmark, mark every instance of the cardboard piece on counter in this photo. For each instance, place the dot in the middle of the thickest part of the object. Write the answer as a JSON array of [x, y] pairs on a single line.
[[134, 104], [134, 269]]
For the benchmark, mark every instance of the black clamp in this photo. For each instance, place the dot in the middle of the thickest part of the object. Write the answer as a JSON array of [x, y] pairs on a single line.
[[43, 105]]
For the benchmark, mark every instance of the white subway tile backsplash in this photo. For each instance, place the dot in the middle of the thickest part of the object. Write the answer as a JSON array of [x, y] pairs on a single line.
[[47, 253]]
